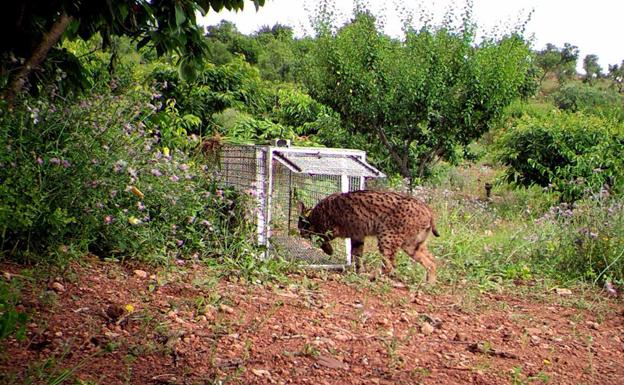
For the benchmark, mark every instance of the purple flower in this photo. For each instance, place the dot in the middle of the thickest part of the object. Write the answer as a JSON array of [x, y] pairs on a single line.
[[108, 219], [39, 161], [66, 163], [55, 161], [99, 205], [156, 172], [174, 178], [119, 165], [180, 242], [183, 167], [140, 206]]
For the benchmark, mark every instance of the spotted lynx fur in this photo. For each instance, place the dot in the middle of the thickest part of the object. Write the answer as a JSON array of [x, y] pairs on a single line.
[[397, 220]]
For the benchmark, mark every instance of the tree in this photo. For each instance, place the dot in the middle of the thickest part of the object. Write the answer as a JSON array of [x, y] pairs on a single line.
[[592, 68], [616, 74], [423, 97], [560, 62], [31, 29]]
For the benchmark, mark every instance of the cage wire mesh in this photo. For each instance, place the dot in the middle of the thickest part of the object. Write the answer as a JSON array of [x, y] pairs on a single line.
[[279, 177]]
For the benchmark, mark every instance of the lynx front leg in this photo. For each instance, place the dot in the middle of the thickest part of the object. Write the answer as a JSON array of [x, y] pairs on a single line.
[[357, 250]]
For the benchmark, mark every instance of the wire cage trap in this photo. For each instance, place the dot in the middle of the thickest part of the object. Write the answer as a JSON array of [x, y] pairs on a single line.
[[278, 176]]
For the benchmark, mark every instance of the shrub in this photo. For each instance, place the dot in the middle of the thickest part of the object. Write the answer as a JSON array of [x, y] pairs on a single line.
[[92, 176], [592, 100], [587, 241], [574, 154]]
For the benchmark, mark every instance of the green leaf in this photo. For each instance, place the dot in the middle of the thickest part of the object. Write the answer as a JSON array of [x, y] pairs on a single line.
[[179, 15]]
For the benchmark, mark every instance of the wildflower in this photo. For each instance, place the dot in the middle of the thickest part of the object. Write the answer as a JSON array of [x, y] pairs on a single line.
[[129, 308], [190, 220], [65, 163], [174, 178], [134, 190], [99, 205], [140, 206], [119, 165], [39, 161], [180, 242], [183, 167], [166, 152], [108, 219], [156, 172], [132, 172], [55, 161], [134, 220], [113, 193]]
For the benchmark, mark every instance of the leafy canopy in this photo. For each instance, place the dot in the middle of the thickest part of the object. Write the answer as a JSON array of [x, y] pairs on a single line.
[[423, 97], [32, 29]]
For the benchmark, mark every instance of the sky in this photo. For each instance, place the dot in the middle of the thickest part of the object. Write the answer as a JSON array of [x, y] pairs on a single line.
[[595, 27]]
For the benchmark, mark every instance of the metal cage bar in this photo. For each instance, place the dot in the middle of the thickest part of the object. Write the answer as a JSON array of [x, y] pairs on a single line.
[[278, 177]]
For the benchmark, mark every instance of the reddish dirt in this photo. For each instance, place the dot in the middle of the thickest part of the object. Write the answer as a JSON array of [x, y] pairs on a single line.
[[311, 330]]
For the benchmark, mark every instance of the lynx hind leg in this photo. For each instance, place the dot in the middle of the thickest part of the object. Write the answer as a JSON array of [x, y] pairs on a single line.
[[417, 249], [357, 250], [388, 246]]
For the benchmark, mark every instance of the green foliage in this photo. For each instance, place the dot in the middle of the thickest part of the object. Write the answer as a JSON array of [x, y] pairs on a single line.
[[216, 88], [169, 27], [592, 69], [296, 109], [421, 97], [587, 241], [12, 321], [560, 62], [591, 100], [92, 176], [574, 154], [616, 75]]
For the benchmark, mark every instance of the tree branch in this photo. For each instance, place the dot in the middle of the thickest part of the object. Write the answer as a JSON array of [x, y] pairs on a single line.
[[402, 163], [37, 57]]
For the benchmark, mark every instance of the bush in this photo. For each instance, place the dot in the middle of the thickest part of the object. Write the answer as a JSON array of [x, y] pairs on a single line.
[[574, 154], [592, 100], [92, 176], [585, 240]]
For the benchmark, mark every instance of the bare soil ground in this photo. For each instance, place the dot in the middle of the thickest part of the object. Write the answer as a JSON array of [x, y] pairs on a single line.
[[109, 324]]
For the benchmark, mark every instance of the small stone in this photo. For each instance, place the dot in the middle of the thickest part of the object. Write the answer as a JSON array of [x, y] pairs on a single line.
[[330, 362], [165, 379], [593, 325], [535, 340], [111, 335], [57, 287], [226, 309], [563, 291], [141, 274], [58, 334], [426, 328], [459, 337], [261, 372]]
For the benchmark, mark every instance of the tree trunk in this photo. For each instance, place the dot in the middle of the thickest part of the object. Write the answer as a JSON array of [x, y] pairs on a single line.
[[402, 163], [37, 57]]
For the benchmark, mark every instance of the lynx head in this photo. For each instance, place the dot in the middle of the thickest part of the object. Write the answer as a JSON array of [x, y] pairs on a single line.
[[305, 227]]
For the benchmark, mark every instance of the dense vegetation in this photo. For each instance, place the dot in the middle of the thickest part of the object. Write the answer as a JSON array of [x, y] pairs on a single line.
[[100, 152]]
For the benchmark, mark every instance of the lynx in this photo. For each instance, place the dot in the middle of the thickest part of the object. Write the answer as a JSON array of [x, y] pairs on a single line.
[[397, 220]]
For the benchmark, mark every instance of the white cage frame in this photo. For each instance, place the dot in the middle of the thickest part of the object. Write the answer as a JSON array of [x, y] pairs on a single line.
[[262, 171]]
